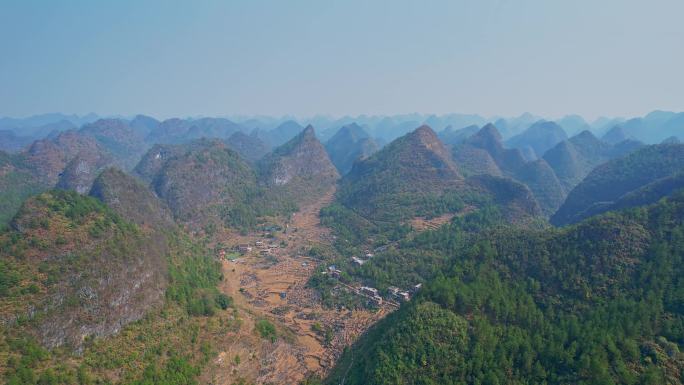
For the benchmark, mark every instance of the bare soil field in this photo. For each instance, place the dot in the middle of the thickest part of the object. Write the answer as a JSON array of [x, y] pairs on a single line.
[[273, 287], [422, 224]]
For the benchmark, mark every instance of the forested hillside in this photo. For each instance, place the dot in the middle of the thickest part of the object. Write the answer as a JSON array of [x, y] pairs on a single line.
[[609, 182], [73, 271], [595, 303], [205, 183], [415, 176]]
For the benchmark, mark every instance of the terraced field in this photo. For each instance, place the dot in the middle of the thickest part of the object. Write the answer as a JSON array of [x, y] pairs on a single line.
[[308, 338]]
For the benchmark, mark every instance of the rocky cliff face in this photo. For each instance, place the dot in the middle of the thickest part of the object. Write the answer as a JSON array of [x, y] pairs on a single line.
[[72, 159], [47, 158], [300, 167], [85, 270], [155, 158], [81, 171]]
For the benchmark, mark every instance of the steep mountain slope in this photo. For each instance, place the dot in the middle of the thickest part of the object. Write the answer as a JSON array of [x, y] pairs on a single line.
[[131, 199], [250, 147], [17, 182], [86, 271], [484, 154], [47, 158], [143, 124], [281, 134], [615, 135], [155, 158], [199, 181], [125, 144], [539, 137], [79, 173], [176, 131], [573, 124], [475, 161], [38, 126], [348, 145], [649, 193], [574, 158], [415, 176], [608, 182], [451, 137], [597, 303], [69, 159], [542, 180], [625, 147], [515, 200], [489, 139], [72, 159], [76, 274], [389, 183], [205, 182], [655, 126], [11, 142], [391, 128], [299, 168], [512, 126]]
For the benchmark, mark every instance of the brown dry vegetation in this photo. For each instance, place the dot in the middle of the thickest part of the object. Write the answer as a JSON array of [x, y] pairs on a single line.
[[301, 347]]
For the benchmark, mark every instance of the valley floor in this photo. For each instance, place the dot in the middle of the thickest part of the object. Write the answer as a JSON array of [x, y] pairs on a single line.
[[273, 288]]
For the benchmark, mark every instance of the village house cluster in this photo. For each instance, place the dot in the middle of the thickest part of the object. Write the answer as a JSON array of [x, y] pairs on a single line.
[[394, 293], [265, 249], [360, 261]]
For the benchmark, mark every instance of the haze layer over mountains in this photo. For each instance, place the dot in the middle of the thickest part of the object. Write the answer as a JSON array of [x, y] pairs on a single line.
[[549, 157]]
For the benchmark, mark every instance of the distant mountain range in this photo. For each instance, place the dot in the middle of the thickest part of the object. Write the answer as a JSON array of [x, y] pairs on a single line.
[[68, 151], [537, 139], [642, 177], [652, 128], [350, 144]]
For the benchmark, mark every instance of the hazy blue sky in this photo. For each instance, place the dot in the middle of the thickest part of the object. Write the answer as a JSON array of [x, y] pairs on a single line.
[[166, 58]]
